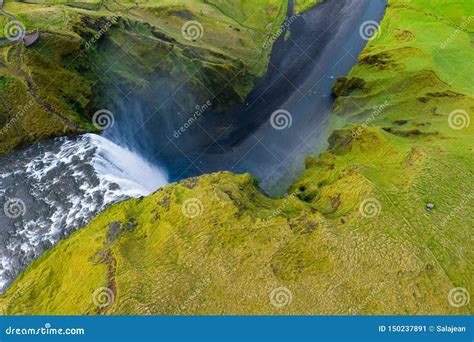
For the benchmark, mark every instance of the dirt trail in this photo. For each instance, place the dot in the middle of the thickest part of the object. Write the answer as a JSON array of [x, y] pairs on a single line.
[[37, 99], [111, 264]]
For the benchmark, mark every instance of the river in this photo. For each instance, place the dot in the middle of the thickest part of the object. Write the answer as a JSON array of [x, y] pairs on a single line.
[[324, 43], [62, 183]]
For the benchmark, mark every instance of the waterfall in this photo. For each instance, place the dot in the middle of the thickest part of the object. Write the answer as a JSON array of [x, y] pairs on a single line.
[[131, 172], [52, 188]]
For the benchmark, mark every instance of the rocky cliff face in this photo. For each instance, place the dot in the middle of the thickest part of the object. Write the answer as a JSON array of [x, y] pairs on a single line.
[[378, 224], [95, 56]]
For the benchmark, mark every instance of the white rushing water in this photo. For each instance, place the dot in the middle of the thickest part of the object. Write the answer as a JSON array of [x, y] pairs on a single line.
[[115, 164], [62, 184]]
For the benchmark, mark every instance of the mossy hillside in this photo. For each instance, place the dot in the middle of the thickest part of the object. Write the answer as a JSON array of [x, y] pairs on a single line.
[[50, 94], [219, 65], [42, 99], [234, 29], [240, 247], [242, 26], [65, 70], [318, 242], [409, 80], [303, 5], [215, 252], [154, 65], [415, 77]]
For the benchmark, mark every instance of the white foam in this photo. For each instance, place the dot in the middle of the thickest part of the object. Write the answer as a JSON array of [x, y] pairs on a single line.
[[102, 172], [134, 175]]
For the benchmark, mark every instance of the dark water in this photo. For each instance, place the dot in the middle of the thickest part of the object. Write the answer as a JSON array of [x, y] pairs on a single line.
[[324, 44], [54, 187], [59, 185]]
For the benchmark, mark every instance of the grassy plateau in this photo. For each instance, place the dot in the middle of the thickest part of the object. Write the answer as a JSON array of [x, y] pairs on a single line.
[[380, 223]]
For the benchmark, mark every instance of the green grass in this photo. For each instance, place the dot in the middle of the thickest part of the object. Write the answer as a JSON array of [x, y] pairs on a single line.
[[303, 5], [315, 242], [231, 48]]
